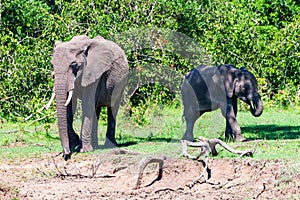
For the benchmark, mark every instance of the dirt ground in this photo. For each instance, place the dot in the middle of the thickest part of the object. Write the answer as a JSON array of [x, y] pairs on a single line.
[[113, 175]]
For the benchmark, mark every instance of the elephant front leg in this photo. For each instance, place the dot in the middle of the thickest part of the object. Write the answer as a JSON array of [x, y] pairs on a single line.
[[237, 133], [89, 124], [232, 128], [110, 141]]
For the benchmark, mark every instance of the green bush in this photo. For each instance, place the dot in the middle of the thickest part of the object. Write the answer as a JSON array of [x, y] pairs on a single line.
[[262, 35]]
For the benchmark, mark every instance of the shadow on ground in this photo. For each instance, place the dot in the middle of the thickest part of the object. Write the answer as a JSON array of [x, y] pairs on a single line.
[[266, 132], [140, 139], [271, 132]]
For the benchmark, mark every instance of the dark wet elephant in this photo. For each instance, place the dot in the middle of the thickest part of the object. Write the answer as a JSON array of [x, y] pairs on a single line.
[[95, 71], [208, 88]]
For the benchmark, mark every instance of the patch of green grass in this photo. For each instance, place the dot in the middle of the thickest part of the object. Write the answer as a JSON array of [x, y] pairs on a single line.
[[21, 141], [266, 149], [171, 149], [278, 130], [273, 124]]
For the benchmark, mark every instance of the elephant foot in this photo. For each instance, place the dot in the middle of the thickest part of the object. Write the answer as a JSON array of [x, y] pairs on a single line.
[[188, 138], [86, 148], [74, 141], [240, 138], [110, 143], [67, 156], [75, 146]]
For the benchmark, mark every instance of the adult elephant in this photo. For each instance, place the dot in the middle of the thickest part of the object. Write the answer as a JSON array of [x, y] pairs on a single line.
[[94, 70], [208, 88]]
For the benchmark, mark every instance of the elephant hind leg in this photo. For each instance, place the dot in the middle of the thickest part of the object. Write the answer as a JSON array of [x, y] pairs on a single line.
[[110, 141], [229, 136], [94, 134], [190, 119]]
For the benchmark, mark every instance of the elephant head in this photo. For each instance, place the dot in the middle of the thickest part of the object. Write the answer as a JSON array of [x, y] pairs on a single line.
[[81, 59], [243, 85]]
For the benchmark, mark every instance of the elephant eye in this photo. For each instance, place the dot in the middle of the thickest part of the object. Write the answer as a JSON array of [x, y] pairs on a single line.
[[245, 88], [74, 67]]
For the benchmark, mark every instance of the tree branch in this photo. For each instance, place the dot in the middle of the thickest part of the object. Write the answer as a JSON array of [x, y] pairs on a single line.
[[142, 165], [207, 146]]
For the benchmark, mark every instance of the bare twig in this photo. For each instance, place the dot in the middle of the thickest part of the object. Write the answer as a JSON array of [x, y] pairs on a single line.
[[39, 119], [163, 190], [55, 164], [41, 171], [47, 106], [263, 190], [95, 166], [12, 60], [239, 57], [6, 98], [205, 169], [236, 184], [142, 165], [9, 131], [115, 170]]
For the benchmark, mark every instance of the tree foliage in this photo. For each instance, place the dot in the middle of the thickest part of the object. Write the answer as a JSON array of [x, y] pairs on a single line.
[[262, 35]]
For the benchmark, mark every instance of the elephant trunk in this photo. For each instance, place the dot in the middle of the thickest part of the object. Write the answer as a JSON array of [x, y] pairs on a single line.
[[61, 96], [258, 107]]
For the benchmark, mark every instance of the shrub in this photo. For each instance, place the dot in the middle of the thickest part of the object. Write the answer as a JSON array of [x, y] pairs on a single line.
[[262, 35]]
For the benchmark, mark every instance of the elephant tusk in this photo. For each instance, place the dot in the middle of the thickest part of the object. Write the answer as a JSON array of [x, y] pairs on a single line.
[[251, 103], [69, 98], [50, 101]]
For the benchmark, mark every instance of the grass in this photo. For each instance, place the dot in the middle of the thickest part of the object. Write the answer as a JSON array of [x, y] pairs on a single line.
[[278, 130]]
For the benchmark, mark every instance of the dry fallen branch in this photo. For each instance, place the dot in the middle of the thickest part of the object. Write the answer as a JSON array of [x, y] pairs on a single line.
[[204, 149], [213, 142], [207, 146], [142, 165], [62, 173], [205, 169]]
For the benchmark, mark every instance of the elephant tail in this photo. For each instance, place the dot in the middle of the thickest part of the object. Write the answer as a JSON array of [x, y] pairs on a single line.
[[182, 118]]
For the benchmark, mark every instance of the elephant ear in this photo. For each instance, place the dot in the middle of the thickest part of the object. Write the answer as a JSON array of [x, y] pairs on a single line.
[[99, 59], [228, 73]]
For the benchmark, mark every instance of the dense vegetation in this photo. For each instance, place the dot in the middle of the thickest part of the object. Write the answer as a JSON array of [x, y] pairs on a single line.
[[263, 35]]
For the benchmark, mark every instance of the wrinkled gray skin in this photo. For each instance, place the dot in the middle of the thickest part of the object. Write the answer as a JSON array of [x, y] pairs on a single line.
[[208, 88], [95, 71]]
